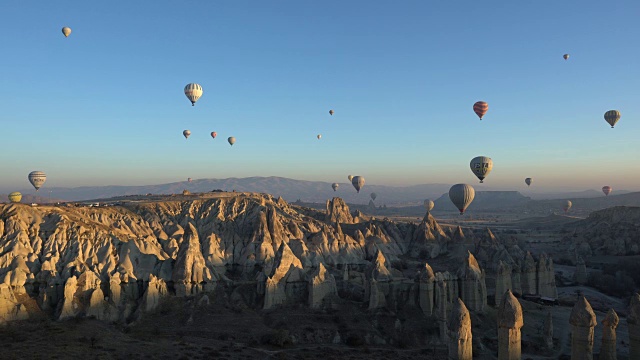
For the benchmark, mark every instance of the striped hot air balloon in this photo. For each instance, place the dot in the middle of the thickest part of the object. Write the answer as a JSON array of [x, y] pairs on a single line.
[[15, 197], [612, 117], [37, 179], [461, 196], [193, 92], [607, 190], [480, 108]]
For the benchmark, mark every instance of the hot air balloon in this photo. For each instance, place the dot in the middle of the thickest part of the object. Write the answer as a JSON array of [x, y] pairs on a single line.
[[480, 108], [567, 205], [461, 196], [319, 136], [607, 190], [37, 179], [15, 197], [335, 186], [193, 92], [527, 181], [66, 31], [331, 112], [428, 204], [214, 134], [189, 179], [350, 177], [231, 140], [357, 182], [612, 117], [566, 56], [481, 166], [373, 196], [186, 134]]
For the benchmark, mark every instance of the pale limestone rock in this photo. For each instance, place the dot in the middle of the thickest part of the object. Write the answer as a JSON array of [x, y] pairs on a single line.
[[286, 268], [156, 290], [338, 211], [321, 285], [546, 277], [503, 281], [473, 289], [10, 308], [608, 349], [528, 276], [459, 332], [510, 321], [580, 275], [190, 271], [426, 283], [376, 296], [69, 307], [582, 321], [548, 331]]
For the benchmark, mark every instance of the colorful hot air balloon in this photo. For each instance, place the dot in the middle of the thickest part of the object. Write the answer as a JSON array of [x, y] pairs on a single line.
[[480, 108], [373, 196], [331, 112], [612, 117], [566, 56], [335, 186], [607, 190], [461, 196], [350, 177], [214, 134], [428, 204], [567, 205], [231, 140], [357, 182], [186, 134], [37, 179], [189, 179], [481, 167], [193, 92], [66, 31], [319, 136], [527, 181], [15, 197]]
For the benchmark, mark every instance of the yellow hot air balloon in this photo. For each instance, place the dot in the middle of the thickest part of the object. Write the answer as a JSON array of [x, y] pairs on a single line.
[[15, 197], [193, 92], [66, 31]]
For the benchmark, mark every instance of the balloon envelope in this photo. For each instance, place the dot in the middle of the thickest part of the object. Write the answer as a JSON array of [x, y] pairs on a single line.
[[428, 204], [231, 140], [607, 190], [461, 196], [15, 197], [357, 182], [527, 181], [566, 56], [330, 112], [193, 92], [481, 166], [37, 179], [350, 177], [373, 196], [612, 117], [66, 31], [189, 179], [186, 134], [214, 134], [480, 108], [335, 186], [319, 136], [567, 205]]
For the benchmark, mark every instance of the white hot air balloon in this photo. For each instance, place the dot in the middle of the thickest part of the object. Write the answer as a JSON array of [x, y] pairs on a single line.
[[37, 179], [357, 182], [66, 31], [193, 92], [319, 136], [231, 140], [335, 186], [567, 205], [461, 196], [481, 166], [186, 134], [428, 204], [350, 177]]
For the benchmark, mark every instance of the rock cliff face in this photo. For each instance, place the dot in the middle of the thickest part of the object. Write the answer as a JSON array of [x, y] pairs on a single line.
[[611, 231]]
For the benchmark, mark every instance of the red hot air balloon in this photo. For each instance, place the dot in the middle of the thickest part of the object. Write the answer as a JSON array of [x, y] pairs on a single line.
[[480, 108], [214, 134], [607, 190]]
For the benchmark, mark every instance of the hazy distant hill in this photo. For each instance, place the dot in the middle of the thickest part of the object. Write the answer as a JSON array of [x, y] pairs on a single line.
[[575, 194], [28, 199], [486, 201]]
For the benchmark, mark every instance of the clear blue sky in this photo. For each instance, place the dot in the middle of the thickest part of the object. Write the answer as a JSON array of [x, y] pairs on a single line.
[[106, 105]]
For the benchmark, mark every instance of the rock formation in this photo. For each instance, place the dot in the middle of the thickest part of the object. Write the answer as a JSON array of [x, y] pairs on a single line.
[[473, 289], [583, 321], [510, 322], [426, 281], [503, 281], [459, 333], [633, 322], [528, 276], [609, 324], [546, 277], [548, 331], [322, 285], [581, 272], [338, 211], [286, 269]]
